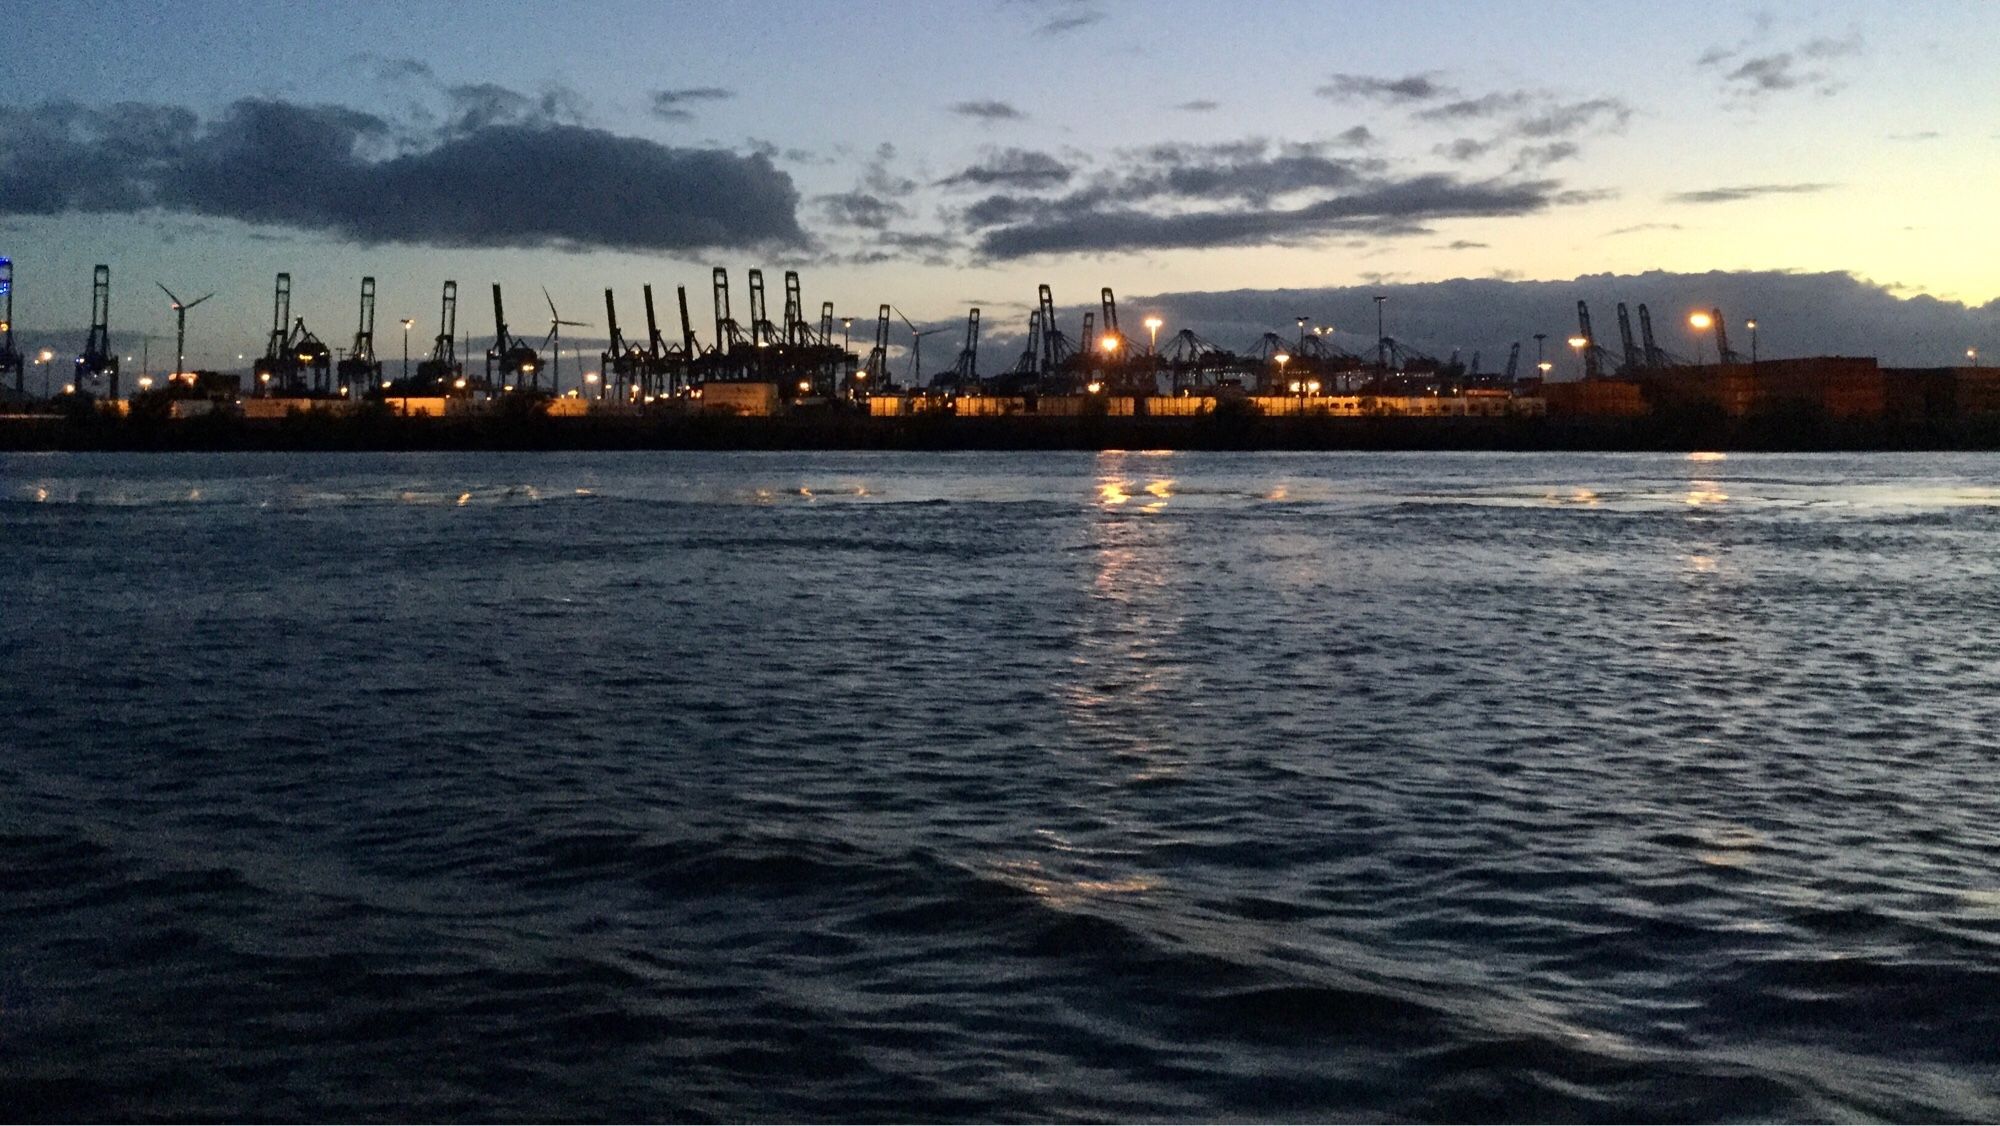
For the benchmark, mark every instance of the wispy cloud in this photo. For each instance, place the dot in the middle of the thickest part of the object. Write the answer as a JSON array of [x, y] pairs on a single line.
[[1749, 72], [1747, 191], [988, 110], [1368, 87], [672, 105], [1200, 105]]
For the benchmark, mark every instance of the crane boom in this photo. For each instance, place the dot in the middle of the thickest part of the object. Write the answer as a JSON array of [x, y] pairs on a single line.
[[1591, 368], [1632, 361]]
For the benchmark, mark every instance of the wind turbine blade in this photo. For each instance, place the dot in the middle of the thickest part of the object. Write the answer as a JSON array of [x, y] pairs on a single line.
[[168, 292], [198, 300], [906, 320], [553, 315]]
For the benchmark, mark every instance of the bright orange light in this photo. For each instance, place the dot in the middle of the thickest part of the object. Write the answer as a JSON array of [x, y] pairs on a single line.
[[1577, 342], [1282, 358], [1154, 323], [1701, 322], [1108, 342]]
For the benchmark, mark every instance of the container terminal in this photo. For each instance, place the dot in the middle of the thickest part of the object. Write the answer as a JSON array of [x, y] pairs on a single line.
[[805, 368]]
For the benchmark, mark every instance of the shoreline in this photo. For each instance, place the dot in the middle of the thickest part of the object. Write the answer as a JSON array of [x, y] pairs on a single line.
[[385, 432]]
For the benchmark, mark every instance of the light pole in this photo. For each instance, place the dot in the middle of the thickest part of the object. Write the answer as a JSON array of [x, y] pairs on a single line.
[[42, 361], [1578, 344], [1153, 327], [407, 325], [1281, 359], [1541, 364], [1381, 346], [1973, 355], [1303, 322], [1751, 324], [591, 378], [846, 333], [1701, 323]]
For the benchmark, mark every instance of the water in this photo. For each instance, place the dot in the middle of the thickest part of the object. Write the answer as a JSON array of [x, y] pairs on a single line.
[[1040, 786]]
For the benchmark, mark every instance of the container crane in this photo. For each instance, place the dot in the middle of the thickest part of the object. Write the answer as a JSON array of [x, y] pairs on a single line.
[[97, 361], [877, 370], [1723, 353], [277, 370], [442, 371], [762, 334], [1513, 364], [966, 370], [1591, 368], [797, 332], [511, 364], [1654, 357], [622, 363], [361, 369], [11, 359], [1633, 361]]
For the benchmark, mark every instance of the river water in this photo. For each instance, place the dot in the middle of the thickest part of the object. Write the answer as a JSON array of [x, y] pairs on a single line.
[[999, 786]]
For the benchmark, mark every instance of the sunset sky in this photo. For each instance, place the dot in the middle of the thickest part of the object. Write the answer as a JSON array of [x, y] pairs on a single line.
[[939, 155]]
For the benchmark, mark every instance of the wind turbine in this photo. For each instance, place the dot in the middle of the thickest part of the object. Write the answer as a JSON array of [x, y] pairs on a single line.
[[555, 339], [916, 351], [181, 324]]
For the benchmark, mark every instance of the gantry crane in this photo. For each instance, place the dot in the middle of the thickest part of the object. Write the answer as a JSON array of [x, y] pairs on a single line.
[[442, 372], [360, 370], [11, 359], [512, 364], [97, 361]]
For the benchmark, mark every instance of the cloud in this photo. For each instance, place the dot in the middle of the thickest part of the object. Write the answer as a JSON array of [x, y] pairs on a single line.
[[988, 111], [1019, 168], [1357, 136], [1542, 156], [1072, 21], [485, 105], [1921, 135], [671, 105], [1746, 191], [861, 209], [1089, 222], [1565, 119], [1200, 105], [1483, 106], [1363, 87], [1467, 244], [503, 171], [1526, 115], [1638, 227], [1811, 65]]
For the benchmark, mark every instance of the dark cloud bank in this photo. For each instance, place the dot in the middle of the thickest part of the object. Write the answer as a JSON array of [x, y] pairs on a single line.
[[1797, 314], [504, 172]]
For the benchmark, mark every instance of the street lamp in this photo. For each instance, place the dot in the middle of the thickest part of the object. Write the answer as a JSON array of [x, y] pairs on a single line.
[[1303, 322], [1702, 322], [1281, 359], [1751, 324], [407, 325], [1578, 344], [1153, 326], [145, 383], [846, 333], [591, 378], [1973, 355]]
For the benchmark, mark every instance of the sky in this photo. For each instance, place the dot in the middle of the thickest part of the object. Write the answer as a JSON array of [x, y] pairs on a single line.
[[1823, 166]]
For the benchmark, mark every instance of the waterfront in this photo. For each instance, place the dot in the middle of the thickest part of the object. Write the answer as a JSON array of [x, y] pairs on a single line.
[[1018, 786]]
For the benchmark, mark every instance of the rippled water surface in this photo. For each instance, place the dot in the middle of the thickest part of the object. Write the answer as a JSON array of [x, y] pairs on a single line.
[[1042, 786]]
